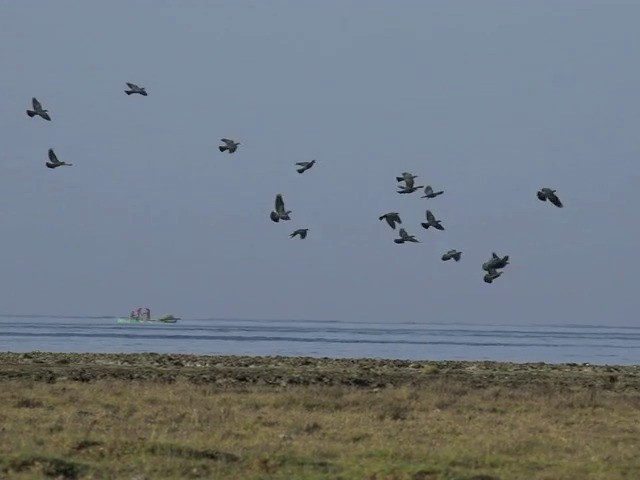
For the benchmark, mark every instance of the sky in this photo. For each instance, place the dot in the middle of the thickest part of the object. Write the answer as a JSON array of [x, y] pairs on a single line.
[[488, 101]]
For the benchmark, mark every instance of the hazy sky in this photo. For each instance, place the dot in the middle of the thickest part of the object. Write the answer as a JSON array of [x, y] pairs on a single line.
[[487, 100]]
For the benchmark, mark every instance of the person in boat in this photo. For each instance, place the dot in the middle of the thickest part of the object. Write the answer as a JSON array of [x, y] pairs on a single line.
[[147, 313], [139, 314], [133, 314]]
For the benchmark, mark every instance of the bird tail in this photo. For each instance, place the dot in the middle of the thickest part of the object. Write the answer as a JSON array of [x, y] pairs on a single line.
[[300, 170], [425, 225], [31, 113], [223, 149]]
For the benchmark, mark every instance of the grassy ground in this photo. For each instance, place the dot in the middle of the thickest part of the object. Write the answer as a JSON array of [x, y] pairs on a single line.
[[147, 416]]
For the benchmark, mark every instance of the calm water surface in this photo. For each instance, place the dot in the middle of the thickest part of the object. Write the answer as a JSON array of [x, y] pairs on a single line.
[[416, 341]]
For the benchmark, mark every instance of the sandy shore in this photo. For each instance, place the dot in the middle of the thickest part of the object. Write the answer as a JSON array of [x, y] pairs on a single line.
[[281, 371]]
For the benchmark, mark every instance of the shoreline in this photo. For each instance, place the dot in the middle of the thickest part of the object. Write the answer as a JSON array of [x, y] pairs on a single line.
[[232, 370]]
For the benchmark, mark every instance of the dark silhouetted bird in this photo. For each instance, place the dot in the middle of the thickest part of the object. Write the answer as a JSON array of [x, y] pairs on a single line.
[[409, 181], [301, 231], [391, 218], [491, 275], [429, 193], [38, 110], [405, 237], [54, 162], [304, 166], [432, 222], [280, 212], [455, 254], [495, 262], [133, 88], [229, 145], [545, 194]]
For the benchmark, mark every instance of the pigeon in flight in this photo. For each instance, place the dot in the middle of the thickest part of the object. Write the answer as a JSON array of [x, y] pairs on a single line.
[[54, 162], [38, 110], [301, 231], [429, 193], [405, 237], [456, 255], [545, 194], [133, 88], [409, 181], [495, 262], [391, 218], [229, 145], [304, 166], [280, 213], [432, 222], [491, 275]]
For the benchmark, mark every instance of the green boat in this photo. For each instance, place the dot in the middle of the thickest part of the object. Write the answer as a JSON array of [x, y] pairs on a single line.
[[147, 319]]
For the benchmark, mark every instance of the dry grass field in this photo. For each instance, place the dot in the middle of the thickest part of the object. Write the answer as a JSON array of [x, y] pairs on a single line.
[[74, 416]]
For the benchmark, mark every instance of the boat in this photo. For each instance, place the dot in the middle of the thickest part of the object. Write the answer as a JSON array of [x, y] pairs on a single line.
[[145, 317]]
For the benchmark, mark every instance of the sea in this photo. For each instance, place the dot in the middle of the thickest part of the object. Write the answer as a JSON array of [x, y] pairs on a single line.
[[610, 345]]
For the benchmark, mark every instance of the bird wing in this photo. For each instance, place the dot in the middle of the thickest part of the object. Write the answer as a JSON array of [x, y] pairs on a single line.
[[389, 220], [396, 217], [428, 190], [302, 164], [227, 141], [133, 86], [52, 156], [403, 233], [553, 198], [280, 204], [430, 217], [36, 104], [541, 196]]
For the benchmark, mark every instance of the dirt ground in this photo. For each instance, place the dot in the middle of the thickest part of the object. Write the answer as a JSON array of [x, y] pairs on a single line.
[[282, 371]]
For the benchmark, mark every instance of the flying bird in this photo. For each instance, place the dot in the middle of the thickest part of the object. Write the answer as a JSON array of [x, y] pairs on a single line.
[[455, 254], [38, 110], [409, 181], [133, 88], [304, 166], [429, 193], [54, 162], [405, 237], [229, 145], [491, 275], [432, 222], [302, 232], [495, 262], [391, 218], [407, 177], [545, 194], [280, 213]]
